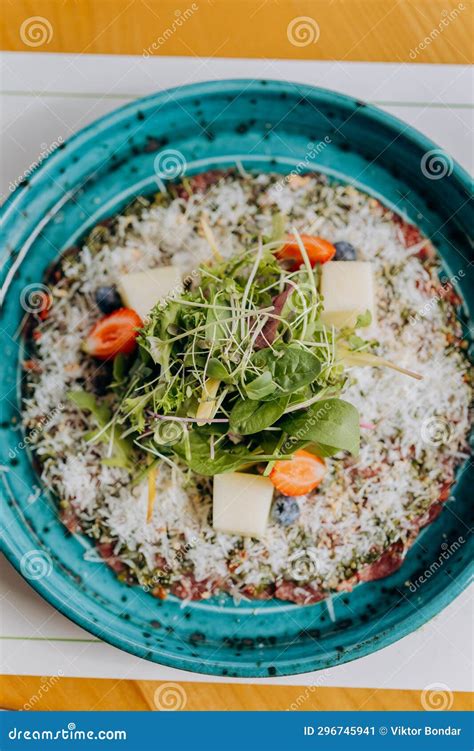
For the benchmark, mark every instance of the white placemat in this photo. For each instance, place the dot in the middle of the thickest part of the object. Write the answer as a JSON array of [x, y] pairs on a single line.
[[46, 96]]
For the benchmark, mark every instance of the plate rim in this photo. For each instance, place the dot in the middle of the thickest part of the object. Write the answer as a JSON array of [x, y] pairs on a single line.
[[293, 666]]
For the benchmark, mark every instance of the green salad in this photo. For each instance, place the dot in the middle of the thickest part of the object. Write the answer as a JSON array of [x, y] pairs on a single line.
[[234, 369]]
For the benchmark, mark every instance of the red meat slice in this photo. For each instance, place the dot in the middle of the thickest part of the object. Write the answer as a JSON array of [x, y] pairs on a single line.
[[301, 595], [268, 333], [190, 589], [433, 512], [387, 564], [106, 550], [258, 594], [200, 183]]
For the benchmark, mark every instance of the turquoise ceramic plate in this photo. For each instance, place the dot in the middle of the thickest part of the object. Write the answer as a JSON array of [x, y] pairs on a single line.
[[266, 125]]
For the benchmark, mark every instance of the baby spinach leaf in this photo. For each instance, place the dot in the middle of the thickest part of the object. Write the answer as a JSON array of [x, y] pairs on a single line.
[[292, 445], [215, 369], [332, 424], [248, 416], [226, 458], [262, 386], [291, 368]]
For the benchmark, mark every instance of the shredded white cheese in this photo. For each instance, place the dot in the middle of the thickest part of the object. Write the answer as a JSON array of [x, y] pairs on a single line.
[[364, 504]]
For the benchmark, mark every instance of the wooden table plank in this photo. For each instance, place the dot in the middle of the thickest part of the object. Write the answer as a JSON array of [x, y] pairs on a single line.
[[421, 31], [35, 693]]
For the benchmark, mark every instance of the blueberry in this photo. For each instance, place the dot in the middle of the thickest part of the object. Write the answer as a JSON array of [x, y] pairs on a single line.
[[285, 511], [344, 251], [108, 299]]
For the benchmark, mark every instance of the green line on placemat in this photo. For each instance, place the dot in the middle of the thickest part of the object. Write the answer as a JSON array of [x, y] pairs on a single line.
[[48, 638]]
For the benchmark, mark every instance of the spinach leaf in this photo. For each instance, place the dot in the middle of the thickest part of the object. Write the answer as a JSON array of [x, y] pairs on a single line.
[[331, 424], [215, 369], [292, 445], [262, 386], [248, 416], [227, 457], [291, 368]]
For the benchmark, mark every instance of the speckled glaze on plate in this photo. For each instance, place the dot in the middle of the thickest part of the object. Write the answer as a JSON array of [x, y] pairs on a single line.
[[266, 125]]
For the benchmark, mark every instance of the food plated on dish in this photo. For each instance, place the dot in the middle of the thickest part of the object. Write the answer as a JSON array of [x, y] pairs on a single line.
[[251, 385], [89, 267]]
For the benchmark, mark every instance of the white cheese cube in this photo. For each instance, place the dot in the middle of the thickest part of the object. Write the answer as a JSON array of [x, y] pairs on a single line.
[[348, 289], [141, 290], [241, 503]]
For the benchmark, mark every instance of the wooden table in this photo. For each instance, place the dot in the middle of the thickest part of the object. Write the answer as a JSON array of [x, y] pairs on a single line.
[[419, 31], [422, 31], [100, 694]]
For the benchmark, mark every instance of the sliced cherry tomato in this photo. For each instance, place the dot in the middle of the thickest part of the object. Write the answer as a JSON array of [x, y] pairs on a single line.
[[113, 334], [318, 250], [299, 475]]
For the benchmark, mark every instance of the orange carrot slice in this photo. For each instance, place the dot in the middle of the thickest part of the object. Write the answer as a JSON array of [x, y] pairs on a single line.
[[318, 250], [113, 334], [299, 475]]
